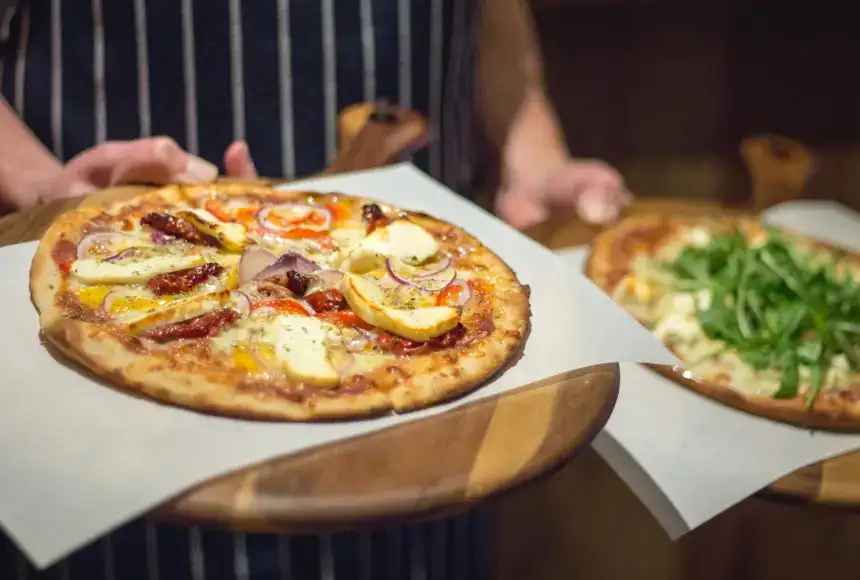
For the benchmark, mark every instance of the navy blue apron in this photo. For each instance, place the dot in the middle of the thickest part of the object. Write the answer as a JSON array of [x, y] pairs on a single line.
[[276, 73]]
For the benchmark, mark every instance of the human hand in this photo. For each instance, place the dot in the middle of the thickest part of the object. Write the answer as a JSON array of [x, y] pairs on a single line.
[[156, 160], [532, 190]]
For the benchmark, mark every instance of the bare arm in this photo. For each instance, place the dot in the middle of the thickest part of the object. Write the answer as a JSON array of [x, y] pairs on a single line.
[[512, 100], [25, 164]]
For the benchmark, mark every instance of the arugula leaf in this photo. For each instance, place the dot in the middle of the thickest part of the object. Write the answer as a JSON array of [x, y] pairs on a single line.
[[777, 306]]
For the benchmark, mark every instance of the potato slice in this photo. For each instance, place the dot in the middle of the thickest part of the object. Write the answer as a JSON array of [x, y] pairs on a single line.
[[401, 239], [419, 324], [92, 271], [300, 345], [232, 236]]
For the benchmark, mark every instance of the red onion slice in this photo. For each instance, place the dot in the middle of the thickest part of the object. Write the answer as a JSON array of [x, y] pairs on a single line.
[[105, 238], [263, 217], [162, 239], [242, 304], [465, 293], [435, 282], [253, 261], [125, 255], [437, 268], [115, 295], [285, 263]]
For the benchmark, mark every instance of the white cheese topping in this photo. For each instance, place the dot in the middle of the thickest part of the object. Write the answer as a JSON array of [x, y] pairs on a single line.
[[403, 240], [131, 271]]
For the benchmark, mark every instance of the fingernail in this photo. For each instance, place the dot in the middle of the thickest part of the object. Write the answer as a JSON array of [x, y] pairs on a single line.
[[597, 211], [197, 171]]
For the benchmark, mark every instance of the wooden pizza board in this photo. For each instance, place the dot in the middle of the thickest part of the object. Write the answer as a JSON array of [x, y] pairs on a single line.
[[425, 468], [780, 169]]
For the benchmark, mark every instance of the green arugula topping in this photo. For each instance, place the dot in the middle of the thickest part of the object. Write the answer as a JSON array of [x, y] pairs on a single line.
[[776, 307]]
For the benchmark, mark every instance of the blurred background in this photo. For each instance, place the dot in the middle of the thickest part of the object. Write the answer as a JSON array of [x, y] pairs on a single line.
[[666, 89]]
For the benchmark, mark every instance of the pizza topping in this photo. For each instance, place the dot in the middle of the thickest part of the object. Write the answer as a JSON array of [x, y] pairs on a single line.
[[390, 343], [64, 254], [286, 263], [779, 309], [300, 345], [254, 260], [323, 280], [185, 309], [232, 209], [434, 281], [201, 326], [125, 255], [327, 300], [176, 227], [98, 244], [287, 305], [185, 280], [288, 217], [91, 271], [371, 212], [344, 319], [374, 217], [420, 324], [230, 236], [403, 240], [242, 304], [296, 282], [458, 293]]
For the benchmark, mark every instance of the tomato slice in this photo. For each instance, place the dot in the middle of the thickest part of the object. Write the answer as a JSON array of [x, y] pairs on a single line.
[[284, 305], [340, 211], [216, 207], [480, 286], [322, 238], [344, 318], [449, 295]]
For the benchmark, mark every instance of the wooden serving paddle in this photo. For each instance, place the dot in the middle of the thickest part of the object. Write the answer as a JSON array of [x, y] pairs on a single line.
[[780, 169], [424, 468]]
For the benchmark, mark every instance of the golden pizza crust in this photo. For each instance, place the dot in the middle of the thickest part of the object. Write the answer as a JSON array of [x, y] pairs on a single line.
[[611, 255], [400, 385]]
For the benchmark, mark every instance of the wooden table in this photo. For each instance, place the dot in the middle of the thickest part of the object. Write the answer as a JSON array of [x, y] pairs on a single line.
[[425, 468]]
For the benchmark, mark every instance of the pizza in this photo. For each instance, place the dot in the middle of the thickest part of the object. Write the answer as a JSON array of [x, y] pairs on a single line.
[[763, 319], [247, 301]]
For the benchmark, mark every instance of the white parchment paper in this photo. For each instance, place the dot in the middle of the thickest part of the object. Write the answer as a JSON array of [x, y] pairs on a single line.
[[78, 459], [688, 458]]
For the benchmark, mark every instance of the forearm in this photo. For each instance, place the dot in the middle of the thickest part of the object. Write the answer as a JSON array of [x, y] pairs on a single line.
[[511, 95], [25, 164]]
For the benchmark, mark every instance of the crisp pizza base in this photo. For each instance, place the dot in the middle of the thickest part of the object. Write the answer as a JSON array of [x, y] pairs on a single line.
[[401, 385], [610, 259]]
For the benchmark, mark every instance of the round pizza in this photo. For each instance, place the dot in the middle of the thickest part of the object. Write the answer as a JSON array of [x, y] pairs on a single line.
[[763, 319], [248, 301]]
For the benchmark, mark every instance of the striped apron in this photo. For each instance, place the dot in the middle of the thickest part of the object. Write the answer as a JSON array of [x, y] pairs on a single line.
[[275, 73]]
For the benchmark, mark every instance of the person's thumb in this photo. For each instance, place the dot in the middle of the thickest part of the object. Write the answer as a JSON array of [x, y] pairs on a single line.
[[157, 160], [521, 210], [237, 161]]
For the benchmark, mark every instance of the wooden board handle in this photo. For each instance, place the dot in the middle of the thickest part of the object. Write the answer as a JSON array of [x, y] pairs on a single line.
[[376, 134], [780, 168]]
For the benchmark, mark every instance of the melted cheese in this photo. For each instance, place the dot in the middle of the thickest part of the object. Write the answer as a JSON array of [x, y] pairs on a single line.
[[183, 310], [295, 344], [403, 240], [90, 271], [348, 239]]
